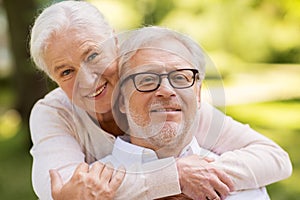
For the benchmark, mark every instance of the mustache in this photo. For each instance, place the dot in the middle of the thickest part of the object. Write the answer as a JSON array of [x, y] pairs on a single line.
[[165, 105]]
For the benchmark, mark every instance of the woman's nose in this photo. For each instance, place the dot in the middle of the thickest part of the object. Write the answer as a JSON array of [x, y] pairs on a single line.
[[86, 78]]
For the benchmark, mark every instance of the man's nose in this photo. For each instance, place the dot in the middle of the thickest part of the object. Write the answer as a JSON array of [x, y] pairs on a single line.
[[165, 89]]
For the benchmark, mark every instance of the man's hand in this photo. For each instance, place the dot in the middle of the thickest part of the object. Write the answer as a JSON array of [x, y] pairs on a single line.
[[98, 182], [201, 180]]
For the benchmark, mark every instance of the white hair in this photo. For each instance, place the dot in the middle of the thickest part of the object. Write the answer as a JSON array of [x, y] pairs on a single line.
[[58, 17], [147, 37]]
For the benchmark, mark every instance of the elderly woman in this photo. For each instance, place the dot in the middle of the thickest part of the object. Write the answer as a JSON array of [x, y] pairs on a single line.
[[72, 43], [73, 126]]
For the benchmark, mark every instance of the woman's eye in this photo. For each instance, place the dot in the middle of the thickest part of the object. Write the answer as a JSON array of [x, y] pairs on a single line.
[[66, 72], [92, 56]]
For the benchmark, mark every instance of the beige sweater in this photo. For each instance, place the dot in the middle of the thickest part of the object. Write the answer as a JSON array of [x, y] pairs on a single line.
[[63, 136]]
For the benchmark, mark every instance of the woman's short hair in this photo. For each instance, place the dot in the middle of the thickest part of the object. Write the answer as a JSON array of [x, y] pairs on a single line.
[[58, 17]]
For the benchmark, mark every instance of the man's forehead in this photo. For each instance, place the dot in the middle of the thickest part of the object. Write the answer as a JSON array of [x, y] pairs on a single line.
[[159, 56]]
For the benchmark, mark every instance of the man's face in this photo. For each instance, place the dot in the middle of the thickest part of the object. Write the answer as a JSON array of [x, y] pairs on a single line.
[[163, 116], [84, 69]]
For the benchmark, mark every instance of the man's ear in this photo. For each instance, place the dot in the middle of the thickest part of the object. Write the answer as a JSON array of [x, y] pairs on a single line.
[[199, 87], [122, 104], [116, 39]]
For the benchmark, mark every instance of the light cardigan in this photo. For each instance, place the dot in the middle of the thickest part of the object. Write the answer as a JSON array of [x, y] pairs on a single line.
[[130, 155], [64, 135]]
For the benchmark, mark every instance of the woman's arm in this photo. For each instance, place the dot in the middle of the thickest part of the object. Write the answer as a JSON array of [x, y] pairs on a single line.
[[250, 159], [55, 147]]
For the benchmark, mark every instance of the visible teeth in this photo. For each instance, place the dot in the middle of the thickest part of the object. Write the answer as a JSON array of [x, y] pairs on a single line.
[[97, 92], [165, 110]]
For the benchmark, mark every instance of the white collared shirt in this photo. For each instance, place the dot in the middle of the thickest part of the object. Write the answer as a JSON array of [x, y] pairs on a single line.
[[64, 136], [126, 154]]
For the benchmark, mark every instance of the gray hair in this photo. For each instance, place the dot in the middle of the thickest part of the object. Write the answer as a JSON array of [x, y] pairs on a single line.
[[78, 15], [146, 37]]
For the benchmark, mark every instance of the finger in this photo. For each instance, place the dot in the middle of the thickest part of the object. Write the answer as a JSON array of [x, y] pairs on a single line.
[[208, 159], [225, 179], [213, 196], [107, 173], [209, 190], [96, 169], [82, 167], [117, 178], [220, 189], [56, 183]]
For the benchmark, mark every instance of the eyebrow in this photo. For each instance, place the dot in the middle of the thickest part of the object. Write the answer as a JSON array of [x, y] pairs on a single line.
[[85, 53], [57, 68], [90, 49]]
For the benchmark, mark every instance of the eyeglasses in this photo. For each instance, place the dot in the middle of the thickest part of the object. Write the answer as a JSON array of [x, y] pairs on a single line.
[[149, 81]]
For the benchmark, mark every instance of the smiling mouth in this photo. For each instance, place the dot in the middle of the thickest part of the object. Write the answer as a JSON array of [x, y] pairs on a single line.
[[166, 110], [97, 92]]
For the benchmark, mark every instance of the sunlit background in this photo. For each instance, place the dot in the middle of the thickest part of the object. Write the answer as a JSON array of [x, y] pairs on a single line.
[[254, 46]]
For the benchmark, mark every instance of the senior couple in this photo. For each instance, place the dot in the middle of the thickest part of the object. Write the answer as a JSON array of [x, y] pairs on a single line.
[[127, 121]]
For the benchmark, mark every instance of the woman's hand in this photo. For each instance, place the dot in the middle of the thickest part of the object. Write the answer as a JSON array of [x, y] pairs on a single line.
[[201, 180], [97, 182]]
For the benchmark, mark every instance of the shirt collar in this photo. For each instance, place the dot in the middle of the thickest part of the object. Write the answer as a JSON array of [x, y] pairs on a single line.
[[127, 153], [194, 148]]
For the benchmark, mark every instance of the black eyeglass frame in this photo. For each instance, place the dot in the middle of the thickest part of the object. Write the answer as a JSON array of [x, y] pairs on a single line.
[[132, 77]]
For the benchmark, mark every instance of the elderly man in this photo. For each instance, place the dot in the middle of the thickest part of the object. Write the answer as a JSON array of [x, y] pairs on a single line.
[[160, 95]]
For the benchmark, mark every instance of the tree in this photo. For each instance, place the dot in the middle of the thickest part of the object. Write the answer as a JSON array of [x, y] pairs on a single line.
[[28, 83]]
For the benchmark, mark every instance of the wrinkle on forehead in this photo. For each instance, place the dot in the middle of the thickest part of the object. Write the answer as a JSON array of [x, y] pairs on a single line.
[[172, 45], [158, 59], [164, 46], [70, 45]]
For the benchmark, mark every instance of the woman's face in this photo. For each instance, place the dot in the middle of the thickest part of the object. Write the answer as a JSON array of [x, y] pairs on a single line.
[[84, 65]]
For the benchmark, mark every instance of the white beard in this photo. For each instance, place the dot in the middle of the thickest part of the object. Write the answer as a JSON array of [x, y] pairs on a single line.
[[163, 135], [167, 137]]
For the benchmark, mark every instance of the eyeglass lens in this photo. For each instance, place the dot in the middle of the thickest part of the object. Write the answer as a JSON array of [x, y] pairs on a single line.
[[178, 79]]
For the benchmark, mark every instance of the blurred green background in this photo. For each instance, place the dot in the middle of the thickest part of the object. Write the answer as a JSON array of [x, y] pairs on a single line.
[[254, 45]]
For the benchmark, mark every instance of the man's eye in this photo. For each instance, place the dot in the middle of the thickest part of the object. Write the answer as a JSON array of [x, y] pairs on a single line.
[[92, 56], [147, 80], [180, 77]]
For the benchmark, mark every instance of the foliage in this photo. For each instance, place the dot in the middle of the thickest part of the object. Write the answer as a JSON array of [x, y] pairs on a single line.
[[248, 30], [15, 168], [233, 32], [279, 121]]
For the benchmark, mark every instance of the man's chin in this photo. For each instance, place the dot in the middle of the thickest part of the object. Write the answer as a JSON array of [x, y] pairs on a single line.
[[166, 135]]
